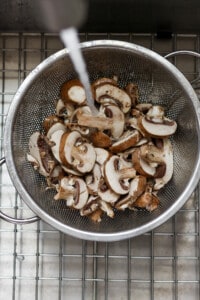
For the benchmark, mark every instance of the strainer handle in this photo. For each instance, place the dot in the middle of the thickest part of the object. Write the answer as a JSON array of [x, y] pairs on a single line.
[[15, 220], [182, 52]]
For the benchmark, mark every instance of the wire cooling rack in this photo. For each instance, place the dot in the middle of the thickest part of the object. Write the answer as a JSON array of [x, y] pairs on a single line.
[[38, 262]]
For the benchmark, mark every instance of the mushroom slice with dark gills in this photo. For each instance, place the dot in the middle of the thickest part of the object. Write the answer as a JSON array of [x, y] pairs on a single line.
[[120, 96], [105, 193], [141, 166], [114, 123], [74, 190], [100, 139], [56, 140], [137, 187], [64, 110], [107, 208], [93, 178], [91, 206], [77, 153], [162, 158], [117, 176], [155, 124], [40, 154]]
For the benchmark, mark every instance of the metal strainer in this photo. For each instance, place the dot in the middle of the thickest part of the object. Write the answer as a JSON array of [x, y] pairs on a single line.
[[159, 82]]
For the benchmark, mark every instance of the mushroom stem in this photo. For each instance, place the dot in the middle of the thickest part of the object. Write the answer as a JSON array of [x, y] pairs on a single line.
[[127, 173], [99, 121]]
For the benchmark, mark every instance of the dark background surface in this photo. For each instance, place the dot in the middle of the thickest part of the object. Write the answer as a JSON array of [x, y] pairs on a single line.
[[138, 16]]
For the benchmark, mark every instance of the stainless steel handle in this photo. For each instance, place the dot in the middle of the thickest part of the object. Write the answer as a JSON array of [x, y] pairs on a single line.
[[182, 52], [195, 82], [15, 220]]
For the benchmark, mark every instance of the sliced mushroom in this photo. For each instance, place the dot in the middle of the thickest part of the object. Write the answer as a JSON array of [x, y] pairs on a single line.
[[132, 91], [74, 191], [71, 171], [83, 130], [96, 216], [168, 160], [56, 140], [141, 166], [102, 155], [115, 93], [73, 91], [155, 124], [55, 127], [81, 156], [127, 140], [137, 187], [40, 154], [115, 113], [91, 206], [144, 107], [49, 121], [83, 110], [92, 180], [102, 81], [107, 208], [115, 123], [135, 123], [55, 176], [105, 193], [100, 139], [118, 177], [64, 110], [147, 200]]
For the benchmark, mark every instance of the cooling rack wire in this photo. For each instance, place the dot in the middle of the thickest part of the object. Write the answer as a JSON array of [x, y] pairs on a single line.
[[38, 262]]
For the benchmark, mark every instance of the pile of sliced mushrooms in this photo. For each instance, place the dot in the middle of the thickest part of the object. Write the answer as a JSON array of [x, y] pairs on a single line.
[[118, 159]]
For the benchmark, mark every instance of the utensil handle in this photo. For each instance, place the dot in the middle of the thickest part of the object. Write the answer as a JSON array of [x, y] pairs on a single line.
[[182, 52], [15, 220]]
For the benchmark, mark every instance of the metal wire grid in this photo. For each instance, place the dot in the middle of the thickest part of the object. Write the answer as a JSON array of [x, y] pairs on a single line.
[[38, 262]]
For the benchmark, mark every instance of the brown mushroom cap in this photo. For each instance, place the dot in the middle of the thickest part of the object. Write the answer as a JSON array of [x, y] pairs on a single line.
[[73, 91], [100, 139]]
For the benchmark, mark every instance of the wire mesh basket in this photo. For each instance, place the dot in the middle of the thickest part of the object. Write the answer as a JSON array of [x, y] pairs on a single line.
[[159, 82]]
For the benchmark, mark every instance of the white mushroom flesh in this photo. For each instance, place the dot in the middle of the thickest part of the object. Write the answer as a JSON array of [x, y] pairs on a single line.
[[128, 174]]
